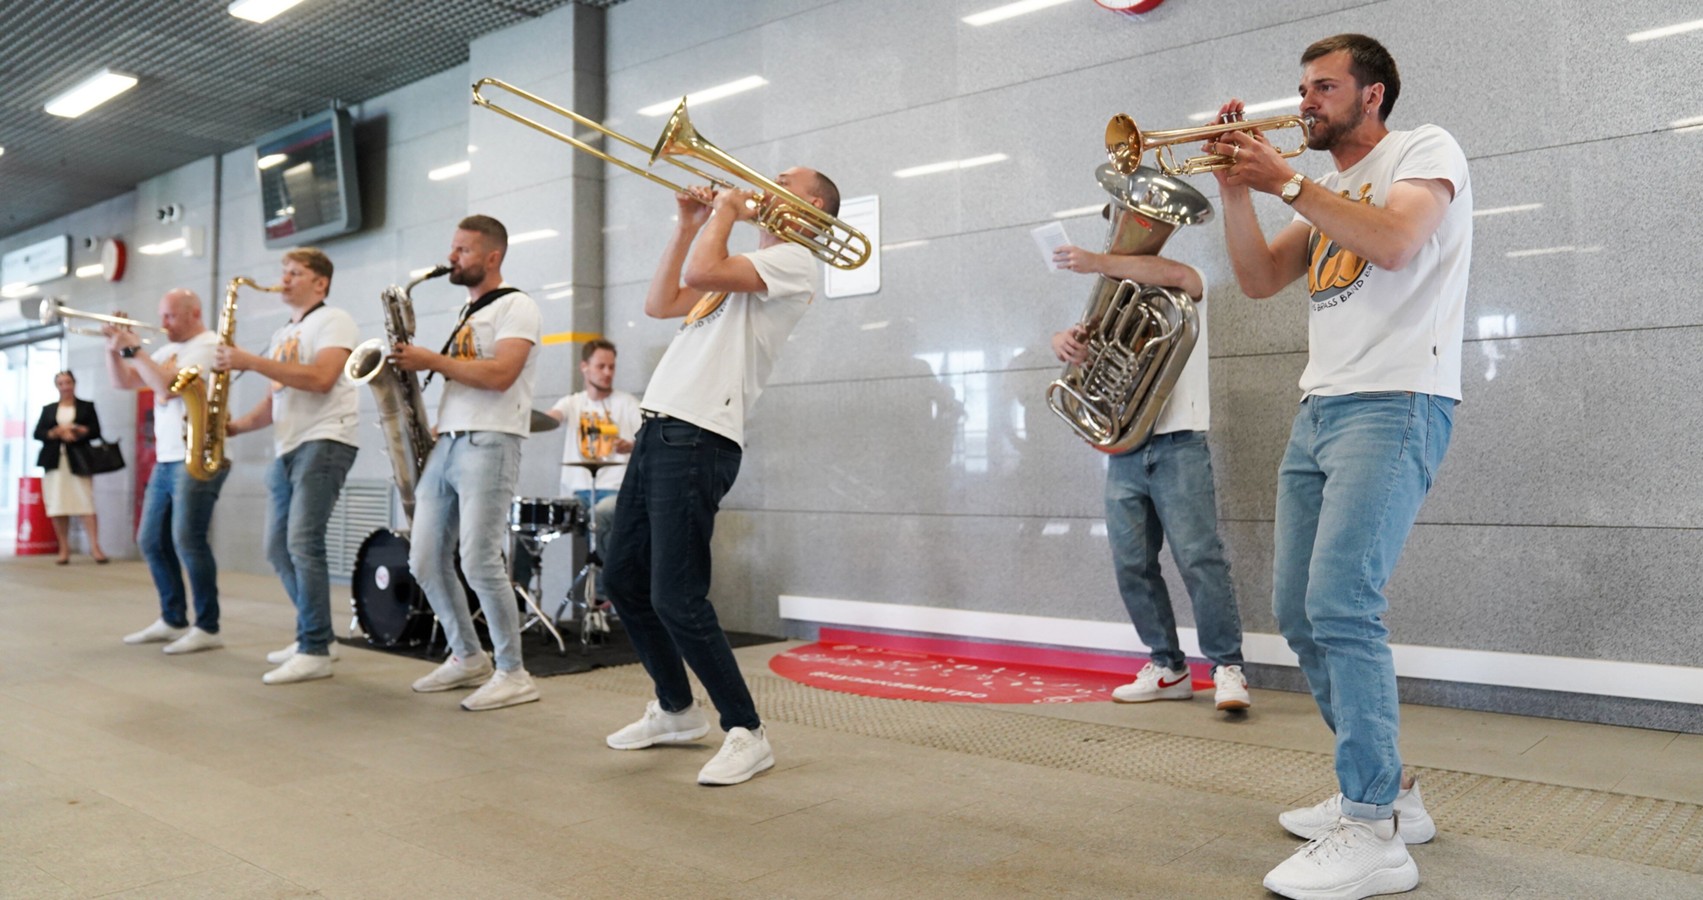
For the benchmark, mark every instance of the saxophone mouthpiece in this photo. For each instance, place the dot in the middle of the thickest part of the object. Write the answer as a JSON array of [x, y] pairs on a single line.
[[437, 270]]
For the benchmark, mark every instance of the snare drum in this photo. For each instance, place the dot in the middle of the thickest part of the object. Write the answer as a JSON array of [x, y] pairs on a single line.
[[541, 516]]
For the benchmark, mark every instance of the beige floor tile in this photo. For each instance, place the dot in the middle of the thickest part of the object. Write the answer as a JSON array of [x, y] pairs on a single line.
[[240, 881]]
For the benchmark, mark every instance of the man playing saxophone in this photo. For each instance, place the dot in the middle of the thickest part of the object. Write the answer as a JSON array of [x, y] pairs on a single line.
[[464, 491], [1163, 490], [312, 410], [176, 508]]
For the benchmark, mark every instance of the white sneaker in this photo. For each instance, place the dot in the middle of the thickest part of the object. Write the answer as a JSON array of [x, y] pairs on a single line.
[[1312, 821], [456, 673], [1154, 683], [1354, 858], [194, 642], [282, 656], [159, 631], [504, 689], [299, 667], [743, 754], [1232, 687], [659, 727]]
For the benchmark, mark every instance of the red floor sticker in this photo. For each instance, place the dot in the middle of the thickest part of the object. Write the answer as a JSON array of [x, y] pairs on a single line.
[[906, 675]]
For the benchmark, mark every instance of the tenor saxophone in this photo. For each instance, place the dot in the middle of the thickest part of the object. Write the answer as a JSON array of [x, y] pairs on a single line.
[[401, 402], [207, 396]]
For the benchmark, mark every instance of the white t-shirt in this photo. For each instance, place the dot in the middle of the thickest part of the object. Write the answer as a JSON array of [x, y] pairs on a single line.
[[716, 366], [168, 416], [300, 416], [463, 408], [1189, 407], [621, 408], [1375, 330]]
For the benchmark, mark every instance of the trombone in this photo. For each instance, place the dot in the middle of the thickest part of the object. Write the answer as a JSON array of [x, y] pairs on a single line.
[[53, 311], [779, 211], [1126, 144]]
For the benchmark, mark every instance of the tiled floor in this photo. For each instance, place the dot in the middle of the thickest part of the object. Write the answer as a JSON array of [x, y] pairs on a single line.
[[124, 772]]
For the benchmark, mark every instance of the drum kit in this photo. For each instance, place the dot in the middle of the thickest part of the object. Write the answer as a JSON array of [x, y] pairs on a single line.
[[391, 608]]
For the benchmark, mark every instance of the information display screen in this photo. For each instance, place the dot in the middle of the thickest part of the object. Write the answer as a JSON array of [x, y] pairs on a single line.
[[308, 188]]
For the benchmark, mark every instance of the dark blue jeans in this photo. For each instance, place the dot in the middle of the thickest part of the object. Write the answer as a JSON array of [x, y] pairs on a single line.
[[176, 511], [1161, 491], [657, 565], [304, 484]]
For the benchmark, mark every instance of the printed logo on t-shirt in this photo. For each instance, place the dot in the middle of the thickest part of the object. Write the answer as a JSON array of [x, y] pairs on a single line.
[[463, 346], [1334, 273], [288, 351], [706, 310]]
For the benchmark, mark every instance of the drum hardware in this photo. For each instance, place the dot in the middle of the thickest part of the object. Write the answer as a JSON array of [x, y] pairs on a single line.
[[596, 616], [533, 523]]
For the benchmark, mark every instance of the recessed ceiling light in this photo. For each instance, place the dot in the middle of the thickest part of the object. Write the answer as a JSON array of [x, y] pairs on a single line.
[[1010, 11], [749, 82], [260, 10], [97, 89], [270, 160]]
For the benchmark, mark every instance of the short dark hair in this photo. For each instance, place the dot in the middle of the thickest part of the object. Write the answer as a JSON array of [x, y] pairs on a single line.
[[314, 260], [590, 348], [492, 229], [829, 192], [66, 372], [1368, 61]]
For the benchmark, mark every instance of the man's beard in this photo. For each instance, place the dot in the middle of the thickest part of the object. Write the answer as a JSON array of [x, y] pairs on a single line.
[[466, 277], [1327, 135]]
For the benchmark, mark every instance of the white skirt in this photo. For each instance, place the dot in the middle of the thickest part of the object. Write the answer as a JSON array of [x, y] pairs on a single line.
[[66, 493]]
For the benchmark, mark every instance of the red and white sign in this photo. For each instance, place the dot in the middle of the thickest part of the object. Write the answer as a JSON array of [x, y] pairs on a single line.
[[35, 529], [1130, 7]]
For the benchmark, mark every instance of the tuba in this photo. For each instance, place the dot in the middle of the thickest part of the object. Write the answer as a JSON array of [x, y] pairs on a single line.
[[1138, 336], [779, 211], [401, 401], [207, 398]]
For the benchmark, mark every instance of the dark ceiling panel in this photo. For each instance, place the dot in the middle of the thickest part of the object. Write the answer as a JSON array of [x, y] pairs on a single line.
[[209, 82]]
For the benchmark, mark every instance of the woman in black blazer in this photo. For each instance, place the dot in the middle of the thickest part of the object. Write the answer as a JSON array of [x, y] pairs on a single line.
[[64, 427]]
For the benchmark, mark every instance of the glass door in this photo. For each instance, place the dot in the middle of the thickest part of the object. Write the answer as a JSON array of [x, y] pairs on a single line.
[[26, 385]]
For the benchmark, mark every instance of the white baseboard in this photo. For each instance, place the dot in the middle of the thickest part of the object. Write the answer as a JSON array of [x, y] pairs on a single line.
[[1600, 677]]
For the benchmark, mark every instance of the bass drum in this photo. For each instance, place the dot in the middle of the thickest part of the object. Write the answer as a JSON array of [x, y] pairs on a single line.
[[390, 607]]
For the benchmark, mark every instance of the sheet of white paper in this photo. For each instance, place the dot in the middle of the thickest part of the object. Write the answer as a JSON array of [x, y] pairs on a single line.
[[1050, 237]]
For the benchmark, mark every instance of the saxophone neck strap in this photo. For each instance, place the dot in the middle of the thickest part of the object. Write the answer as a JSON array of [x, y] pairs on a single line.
[[485, 299]]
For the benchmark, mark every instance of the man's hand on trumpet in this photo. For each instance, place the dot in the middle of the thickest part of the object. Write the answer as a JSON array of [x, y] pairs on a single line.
[[1255, 163]]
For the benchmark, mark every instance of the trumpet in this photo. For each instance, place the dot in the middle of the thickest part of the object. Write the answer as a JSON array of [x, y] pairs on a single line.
[[1126, 144], [53, 311], [779, 211]]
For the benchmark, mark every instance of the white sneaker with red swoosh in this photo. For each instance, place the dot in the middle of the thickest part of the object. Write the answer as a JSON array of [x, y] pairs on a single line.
[[1154, 683]]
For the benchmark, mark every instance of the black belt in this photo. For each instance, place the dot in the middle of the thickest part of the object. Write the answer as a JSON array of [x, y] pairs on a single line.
[[452, 435]]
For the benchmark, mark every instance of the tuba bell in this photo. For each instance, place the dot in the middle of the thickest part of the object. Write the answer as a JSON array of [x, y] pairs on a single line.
[[1139, 336]]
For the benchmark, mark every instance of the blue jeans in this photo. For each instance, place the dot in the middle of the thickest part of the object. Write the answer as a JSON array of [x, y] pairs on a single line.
[[657, 565], [603, 511], [1159, 491], [176, 511], [1348, 491], [304, 484], [464, 493]]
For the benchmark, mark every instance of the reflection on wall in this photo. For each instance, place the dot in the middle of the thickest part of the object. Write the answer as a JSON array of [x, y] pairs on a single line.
[[1496, 336]]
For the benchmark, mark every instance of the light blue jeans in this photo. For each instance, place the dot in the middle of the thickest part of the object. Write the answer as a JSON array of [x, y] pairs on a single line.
[[1161, 491], [176, 512], [464, 494], [1348, 491], [304, 484]]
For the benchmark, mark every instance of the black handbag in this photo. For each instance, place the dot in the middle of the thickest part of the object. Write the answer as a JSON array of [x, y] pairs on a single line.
[[95, 457]]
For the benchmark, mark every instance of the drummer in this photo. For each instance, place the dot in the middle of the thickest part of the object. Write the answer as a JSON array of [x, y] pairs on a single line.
[[600, 401]]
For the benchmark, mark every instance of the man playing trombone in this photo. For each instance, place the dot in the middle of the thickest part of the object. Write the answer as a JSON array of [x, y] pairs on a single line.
[[312, 409], [1384, 242], [738, 312], [176, 508]]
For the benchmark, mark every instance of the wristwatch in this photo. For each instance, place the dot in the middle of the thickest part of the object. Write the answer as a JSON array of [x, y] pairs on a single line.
[[1292, 188], [128, 352]]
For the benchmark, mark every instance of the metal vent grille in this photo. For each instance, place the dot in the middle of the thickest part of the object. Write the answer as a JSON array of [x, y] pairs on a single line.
[[362, 508]]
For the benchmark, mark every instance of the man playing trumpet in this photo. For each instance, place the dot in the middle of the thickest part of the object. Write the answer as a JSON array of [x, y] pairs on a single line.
[[1384, 242]]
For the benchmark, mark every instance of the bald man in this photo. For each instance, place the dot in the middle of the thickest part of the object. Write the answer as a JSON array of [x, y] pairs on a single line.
[[738, 312], [176, 508]]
